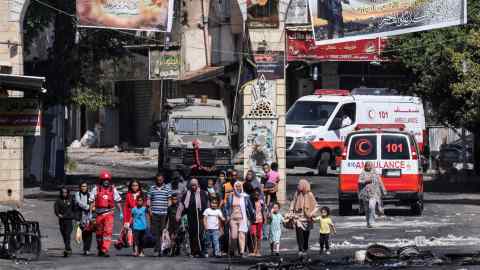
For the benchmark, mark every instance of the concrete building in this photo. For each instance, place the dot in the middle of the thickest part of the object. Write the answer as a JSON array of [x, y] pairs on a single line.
[[16, 160]]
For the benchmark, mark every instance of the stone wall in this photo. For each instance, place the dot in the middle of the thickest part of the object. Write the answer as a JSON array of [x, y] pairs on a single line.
[[11, 61]]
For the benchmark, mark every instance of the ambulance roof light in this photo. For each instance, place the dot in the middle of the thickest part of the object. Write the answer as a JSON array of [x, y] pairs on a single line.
[[332, 92], [400, 127]]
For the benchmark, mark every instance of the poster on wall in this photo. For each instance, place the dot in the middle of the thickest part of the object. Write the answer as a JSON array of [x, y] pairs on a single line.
[[297, 12], [140, 15], [20, 117], [270, 64], [259, 138], [301, 46], [262, 13], [164, 65], [336, 21]]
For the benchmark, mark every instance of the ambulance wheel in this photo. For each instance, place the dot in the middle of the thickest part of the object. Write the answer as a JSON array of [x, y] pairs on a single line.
[[323, 164], [344, 208], [416, 208]]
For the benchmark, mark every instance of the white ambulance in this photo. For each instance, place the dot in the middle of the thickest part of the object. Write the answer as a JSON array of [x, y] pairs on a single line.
[[317, 125]]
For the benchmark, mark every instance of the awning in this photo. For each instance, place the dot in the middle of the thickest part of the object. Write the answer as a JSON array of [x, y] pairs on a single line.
[[201, 75], [22, 83]]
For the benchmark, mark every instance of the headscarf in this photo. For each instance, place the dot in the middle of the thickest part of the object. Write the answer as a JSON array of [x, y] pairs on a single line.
[[240, 184], [304, 201], [303, 185], [198, 202]]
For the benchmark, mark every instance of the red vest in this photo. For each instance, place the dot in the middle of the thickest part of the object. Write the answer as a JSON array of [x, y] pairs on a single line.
[[104, 197]]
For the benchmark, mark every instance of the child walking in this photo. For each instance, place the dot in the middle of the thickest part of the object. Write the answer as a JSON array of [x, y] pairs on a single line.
[[276, 221], [173, 225], [140, 219], [257, 226], [212, 218], [326, 228]]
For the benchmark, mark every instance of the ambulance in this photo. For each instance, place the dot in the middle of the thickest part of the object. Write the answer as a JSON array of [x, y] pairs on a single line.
[[394, 155], [318, 124]]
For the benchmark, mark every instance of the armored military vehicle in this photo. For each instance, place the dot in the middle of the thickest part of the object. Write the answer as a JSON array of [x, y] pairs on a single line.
[[198, 136]]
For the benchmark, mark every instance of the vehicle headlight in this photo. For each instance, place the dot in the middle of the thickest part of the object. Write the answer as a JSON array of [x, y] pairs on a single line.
[[223, 153], [175, 151], [306, 138]]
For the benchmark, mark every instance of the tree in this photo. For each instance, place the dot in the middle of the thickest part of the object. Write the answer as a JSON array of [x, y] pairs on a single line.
[[73, 67], [444, 70]]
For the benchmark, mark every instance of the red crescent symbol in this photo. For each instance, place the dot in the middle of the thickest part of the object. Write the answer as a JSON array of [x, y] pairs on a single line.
[[363, 147]]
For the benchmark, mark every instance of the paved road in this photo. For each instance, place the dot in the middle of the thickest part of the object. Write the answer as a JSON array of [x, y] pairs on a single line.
[[450, 224]]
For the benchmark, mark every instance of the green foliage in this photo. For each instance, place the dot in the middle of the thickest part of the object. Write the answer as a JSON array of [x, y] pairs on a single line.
[[73, 66], [91, 99], [444, 69]]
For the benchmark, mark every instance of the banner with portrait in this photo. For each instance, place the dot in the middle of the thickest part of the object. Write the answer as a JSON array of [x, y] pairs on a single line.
[[263, 13], [336, 21], [140, 15]]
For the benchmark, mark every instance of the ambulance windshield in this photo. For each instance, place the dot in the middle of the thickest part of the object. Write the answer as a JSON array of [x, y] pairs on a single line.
[[310, 113]]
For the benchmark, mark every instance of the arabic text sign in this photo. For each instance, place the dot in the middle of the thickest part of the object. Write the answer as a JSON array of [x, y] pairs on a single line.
[[341, 20], [148, 15], [20, 117], [271, 65], [164, 65], [301, 45]]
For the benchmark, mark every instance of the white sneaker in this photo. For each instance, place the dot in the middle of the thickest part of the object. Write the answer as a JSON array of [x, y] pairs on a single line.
[[328, 252]]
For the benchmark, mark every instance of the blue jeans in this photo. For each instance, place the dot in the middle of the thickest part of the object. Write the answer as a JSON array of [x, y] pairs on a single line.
[[213, 237]]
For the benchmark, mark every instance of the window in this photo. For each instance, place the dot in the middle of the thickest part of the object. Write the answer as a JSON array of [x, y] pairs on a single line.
[[345, 117], [199, 126], [363, 148], [395, 147], [310, 113]]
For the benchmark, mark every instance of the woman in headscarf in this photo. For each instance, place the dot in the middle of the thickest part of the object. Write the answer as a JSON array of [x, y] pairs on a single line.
[[302, 208], [371, 191], [239, 213], [193, 204]]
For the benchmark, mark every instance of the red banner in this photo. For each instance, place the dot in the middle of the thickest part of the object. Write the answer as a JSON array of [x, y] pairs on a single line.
[[301, 46]]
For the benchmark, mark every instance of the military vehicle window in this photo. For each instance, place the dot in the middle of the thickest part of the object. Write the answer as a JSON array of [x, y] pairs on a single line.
[[395, 147], [199, 126], [185, 126], [216, 126], [363, 148]]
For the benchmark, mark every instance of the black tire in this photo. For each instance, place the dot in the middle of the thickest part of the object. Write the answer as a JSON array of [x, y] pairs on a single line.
[[416, 208], [323, 164], [344, 207]]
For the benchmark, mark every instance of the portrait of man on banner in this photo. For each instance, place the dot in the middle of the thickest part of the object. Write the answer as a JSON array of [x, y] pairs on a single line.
[[337, 21], [262, 13], [147, 15]]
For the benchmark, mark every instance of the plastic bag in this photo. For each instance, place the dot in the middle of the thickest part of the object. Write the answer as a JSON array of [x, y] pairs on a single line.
[[78, 234], [165, 240], [129, 238]]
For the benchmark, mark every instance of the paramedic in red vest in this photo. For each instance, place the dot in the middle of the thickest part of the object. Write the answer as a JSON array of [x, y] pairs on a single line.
[[105, 195]]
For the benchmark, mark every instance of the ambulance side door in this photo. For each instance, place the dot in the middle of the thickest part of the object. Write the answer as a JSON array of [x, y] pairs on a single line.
[[344, 122]]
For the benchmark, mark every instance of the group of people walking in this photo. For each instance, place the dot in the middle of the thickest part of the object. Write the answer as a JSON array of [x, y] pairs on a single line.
[[232, 215]]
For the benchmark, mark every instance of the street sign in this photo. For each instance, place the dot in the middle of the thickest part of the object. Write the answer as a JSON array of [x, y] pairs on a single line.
[[20, 117], [164, 65]]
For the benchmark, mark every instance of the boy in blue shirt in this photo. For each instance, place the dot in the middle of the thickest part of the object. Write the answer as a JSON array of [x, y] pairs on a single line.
[[139, 224]]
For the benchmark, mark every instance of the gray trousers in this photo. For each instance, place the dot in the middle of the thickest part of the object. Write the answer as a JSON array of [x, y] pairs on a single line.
[[370, 206]]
